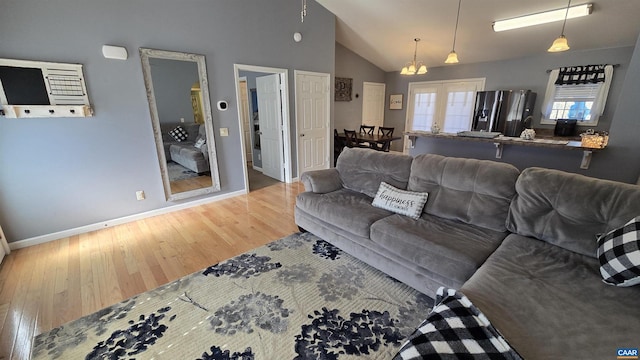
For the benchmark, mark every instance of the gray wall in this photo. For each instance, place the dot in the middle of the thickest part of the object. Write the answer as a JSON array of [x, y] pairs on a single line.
[[619, 161], [172, 83], [348, 114], [59, 174]]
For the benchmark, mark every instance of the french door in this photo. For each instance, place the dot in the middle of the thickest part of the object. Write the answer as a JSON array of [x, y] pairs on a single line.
[[445, 104]]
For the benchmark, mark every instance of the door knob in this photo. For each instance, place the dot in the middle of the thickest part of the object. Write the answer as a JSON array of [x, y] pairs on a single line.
[[301, 135]]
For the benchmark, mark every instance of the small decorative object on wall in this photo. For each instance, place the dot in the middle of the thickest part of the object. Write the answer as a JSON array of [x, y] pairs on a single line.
[[343, 89], [395, 102]]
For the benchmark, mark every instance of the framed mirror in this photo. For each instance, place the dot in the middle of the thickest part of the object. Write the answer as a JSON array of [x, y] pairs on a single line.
[[178, 94]]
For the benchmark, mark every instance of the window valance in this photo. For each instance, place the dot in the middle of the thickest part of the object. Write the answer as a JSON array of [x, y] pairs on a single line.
[[583, 74], [583, 87]]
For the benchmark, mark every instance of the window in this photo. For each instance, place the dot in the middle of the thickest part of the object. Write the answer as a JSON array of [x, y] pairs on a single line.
[[449, 104], [585, 102]]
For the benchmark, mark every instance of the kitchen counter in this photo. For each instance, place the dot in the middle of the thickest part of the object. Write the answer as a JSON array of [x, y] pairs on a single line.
[[544, 139]]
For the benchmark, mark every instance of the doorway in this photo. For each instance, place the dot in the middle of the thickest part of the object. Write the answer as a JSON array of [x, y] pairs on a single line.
[[265, 124], [373, 97]]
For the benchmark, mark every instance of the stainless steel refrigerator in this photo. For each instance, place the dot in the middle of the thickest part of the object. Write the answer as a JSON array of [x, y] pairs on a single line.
[[505, 111]]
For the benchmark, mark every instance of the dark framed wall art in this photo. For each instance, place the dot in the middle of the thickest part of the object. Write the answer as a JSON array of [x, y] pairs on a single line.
[[343, 89]]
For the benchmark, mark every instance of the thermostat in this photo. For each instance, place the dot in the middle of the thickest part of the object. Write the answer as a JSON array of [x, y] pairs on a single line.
[[223, 105]]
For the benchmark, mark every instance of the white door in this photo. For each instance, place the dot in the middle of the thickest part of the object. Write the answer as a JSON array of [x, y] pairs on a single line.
[[373, 104], [270, 105], [244, 114], [312, 119]]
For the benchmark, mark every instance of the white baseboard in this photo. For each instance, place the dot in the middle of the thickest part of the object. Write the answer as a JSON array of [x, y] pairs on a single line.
[[257, 168], [123, 220]]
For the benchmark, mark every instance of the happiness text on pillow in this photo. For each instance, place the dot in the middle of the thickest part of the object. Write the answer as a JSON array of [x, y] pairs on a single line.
[[396, 202]]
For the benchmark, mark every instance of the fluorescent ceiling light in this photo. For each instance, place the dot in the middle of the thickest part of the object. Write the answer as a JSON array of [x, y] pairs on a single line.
[[542, 18]]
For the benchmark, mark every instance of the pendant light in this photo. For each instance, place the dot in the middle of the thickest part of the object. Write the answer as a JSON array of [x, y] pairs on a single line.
[[453, 57], [560, 43], [414, 67]]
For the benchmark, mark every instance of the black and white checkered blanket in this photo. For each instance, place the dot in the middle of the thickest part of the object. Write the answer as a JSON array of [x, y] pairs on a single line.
[[455, 329]]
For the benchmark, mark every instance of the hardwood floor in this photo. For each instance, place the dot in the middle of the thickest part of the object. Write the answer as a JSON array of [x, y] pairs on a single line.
[[197, 182], [47, 285]]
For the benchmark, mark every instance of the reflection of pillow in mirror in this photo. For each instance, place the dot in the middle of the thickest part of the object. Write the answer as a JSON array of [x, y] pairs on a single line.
[[199, 143], [178, 134]]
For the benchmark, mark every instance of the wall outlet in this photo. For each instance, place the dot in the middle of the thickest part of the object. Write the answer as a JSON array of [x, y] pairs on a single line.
[[224, 131], [140, 195], [181, 120]]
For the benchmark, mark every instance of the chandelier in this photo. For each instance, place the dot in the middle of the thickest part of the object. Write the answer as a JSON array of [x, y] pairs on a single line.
[[414, 67]]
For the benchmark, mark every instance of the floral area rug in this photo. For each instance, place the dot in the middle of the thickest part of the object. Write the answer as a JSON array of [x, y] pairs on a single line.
[[179, 172], [296, 298]]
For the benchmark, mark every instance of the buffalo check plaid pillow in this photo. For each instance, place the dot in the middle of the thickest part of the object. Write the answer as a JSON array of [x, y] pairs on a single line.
[[179, 134], [619, 255], [455, 329]]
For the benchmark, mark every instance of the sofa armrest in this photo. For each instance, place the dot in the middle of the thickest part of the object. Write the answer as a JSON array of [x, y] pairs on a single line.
[[321, 181]]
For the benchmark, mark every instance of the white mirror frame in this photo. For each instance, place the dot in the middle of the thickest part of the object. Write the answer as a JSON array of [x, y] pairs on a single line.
[[145, 55]]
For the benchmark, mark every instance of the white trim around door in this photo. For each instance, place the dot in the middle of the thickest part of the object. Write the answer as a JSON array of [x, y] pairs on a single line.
[[286, 124]]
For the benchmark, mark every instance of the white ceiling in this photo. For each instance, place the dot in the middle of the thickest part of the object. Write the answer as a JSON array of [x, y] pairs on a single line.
[[382, 31]]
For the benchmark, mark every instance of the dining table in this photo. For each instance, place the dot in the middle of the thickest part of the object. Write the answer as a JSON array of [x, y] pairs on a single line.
[[372, 138]]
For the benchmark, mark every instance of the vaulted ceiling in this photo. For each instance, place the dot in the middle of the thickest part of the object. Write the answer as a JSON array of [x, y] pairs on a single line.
[[382, 31]]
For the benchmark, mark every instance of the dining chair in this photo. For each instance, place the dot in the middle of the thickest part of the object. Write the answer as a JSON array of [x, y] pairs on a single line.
[[366, 129], [351, 138], [385, 132], [338, 146]]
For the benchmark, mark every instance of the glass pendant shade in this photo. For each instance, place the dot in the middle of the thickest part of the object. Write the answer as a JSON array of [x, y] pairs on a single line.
[[559, 44], [404, 71], [452, 58], [422, 70]]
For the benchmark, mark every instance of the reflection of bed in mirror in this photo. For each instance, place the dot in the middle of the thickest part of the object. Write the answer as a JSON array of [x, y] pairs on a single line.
[[181, 117]]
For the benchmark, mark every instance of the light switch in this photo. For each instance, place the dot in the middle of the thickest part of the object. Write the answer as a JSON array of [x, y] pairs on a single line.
[[224, 131]]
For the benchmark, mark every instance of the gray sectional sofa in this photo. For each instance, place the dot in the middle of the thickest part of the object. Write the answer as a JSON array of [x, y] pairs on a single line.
[[184, 152], [520, 246]]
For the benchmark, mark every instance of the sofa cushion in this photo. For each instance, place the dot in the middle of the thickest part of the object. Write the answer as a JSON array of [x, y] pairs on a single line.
[[550, 303], [619, 254], [345, 209], [569, 210], [472, 191], [186, 152], [362, 170], [402, 202], [449, 248], [321, 181]]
